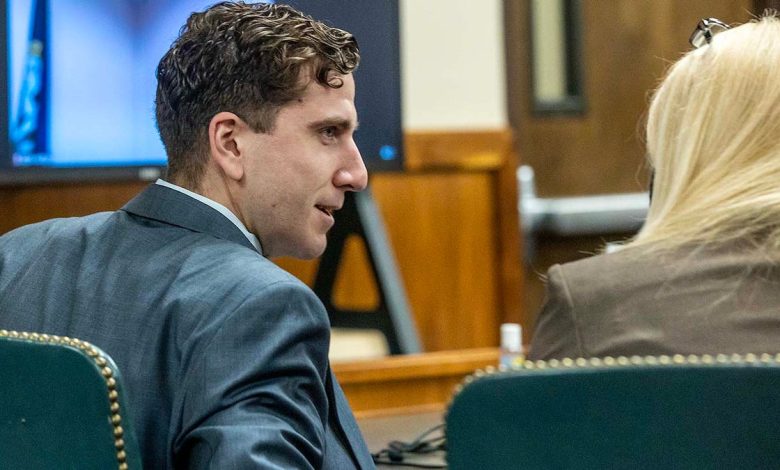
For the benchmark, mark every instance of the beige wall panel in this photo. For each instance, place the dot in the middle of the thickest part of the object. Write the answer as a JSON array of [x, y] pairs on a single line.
[[452, 59]]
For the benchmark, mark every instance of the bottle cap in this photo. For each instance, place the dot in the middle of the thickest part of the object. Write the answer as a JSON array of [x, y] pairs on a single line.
[[511, 337]]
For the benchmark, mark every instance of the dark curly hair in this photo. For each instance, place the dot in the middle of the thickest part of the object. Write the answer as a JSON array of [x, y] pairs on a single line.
[[242, 58]]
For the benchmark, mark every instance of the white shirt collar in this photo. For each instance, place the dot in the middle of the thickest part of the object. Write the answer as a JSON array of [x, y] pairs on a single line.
[[219, 207]]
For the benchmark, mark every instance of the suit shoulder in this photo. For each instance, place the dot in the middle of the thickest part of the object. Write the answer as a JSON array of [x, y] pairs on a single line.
[[63, 223], [606, 273], [244, 263], [603, 266], [227, 266], [55, 228]]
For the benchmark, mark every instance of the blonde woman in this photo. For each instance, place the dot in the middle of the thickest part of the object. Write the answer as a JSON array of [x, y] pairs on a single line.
[[703, 274]]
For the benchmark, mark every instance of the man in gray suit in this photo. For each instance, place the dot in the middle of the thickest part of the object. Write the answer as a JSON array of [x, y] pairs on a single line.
[[224, 355]]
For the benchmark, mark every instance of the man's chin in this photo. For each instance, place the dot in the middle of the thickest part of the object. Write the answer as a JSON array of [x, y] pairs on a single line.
[[304, 248], [312, 251]]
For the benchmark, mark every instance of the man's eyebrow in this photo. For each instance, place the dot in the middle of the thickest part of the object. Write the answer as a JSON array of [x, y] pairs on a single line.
[[337, 122]]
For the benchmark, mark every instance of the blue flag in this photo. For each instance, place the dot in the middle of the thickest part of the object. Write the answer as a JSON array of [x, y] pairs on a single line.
[[29, 135]]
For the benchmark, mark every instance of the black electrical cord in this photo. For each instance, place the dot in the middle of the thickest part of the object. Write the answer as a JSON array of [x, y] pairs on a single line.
[[397, 452]]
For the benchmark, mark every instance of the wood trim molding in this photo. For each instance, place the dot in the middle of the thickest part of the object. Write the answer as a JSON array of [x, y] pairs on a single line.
[[409, 383], [414, 366], [457, 150]]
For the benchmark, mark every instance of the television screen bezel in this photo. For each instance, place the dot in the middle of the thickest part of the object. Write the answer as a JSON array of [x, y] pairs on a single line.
[[36, 175]]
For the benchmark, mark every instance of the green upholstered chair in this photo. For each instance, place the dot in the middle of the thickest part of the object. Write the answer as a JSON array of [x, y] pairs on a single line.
[[689, 412], [61, 406]]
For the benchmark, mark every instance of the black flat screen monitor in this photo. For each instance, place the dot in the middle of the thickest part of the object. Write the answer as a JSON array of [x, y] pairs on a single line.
[[79, 85]]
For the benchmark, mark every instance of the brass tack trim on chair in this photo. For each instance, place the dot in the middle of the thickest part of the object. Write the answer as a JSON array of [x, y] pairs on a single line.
[[105, 370], [618, 362]]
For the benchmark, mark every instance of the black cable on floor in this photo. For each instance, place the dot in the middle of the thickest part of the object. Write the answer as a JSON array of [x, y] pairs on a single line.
[[397, 452]]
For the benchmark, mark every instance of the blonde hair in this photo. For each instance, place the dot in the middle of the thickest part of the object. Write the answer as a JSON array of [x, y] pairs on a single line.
[[713, 141]]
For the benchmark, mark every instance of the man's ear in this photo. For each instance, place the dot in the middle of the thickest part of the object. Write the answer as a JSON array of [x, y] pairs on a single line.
[[224, 127]]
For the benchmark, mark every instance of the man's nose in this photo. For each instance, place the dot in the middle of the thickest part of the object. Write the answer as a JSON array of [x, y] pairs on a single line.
[[353, 176]]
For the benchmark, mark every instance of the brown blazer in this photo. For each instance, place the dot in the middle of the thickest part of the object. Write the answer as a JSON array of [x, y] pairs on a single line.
[[634, 303]]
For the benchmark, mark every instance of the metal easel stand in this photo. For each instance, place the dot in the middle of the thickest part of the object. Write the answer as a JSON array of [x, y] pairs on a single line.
[[392, 317]]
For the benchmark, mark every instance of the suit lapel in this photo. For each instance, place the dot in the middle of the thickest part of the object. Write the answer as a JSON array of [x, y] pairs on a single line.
[[172, 207]]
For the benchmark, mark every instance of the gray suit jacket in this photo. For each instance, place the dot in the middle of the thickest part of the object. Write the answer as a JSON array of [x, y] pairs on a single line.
[[634, 303], [224, 355]]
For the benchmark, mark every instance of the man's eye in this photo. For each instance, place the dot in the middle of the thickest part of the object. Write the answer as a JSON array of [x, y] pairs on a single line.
[[329, 132]]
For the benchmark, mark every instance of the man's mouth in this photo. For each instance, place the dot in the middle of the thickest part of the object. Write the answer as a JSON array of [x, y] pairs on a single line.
[[326, 209]]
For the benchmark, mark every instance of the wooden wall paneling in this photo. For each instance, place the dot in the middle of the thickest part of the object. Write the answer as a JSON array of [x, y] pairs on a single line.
[[761, 5], [442, 228], [23, 205], [495, 153], [626, 47]]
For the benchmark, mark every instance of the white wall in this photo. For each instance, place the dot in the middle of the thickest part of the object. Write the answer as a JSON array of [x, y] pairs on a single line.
[[452, 58]]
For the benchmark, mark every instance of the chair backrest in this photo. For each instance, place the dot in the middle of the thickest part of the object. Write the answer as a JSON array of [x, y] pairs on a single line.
[[652, 412], [61, 406]]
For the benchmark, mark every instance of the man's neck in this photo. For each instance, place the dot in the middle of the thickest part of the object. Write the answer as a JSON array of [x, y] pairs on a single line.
[[222, 208]]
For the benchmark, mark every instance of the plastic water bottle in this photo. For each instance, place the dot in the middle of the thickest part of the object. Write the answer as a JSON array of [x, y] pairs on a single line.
[[511, 345]]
